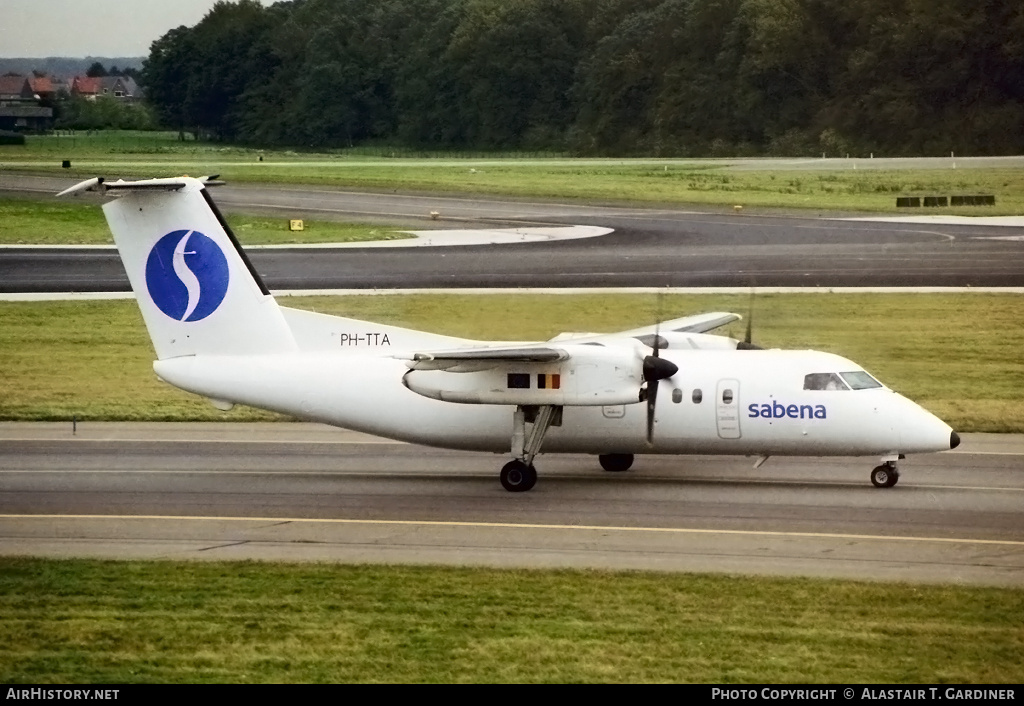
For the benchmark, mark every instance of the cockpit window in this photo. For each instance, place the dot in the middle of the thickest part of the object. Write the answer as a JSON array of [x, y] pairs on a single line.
[[824, 381], [859, 380]]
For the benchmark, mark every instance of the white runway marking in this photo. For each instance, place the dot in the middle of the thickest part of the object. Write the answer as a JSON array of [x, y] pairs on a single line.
[[422, 238], [76, 296], [465, 236]]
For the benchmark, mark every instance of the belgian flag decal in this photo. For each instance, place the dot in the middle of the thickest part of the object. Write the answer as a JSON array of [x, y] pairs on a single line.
[[548, 382]]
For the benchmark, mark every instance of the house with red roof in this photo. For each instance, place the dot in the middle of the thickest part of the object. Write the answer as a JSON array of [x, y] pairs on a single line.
[[14, 88], [20, 108], [86, 87], [43, 87], [119, 87]]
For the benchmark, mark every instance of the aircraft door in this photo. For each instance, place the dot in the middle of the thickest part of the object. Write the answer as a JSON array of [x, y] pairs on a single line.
[[727, 409]]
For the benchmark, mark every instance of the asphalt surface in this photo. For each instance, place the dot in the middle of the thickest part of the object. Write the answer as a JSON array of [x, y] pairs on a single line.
[[302, 492], [650, 247]]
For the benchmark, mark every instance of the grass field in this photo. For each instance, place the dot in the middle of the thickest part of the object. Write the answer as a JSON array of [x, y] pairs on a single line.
[[64, 222], [698, 182], [131, 622], [956, 355]]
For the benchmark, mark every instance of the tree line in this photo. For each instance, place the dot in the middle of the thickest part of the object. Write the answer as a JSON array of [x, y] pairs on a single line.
[[621, 77]]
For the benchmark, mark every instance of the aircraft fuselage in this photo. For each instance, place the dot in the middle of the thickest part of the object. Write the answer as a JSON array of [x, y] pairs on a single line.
[[720, 402]]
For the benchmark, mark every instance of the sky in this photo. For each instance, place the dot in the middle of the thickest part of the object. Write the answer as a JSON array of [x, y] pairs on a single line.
[[77, 28]]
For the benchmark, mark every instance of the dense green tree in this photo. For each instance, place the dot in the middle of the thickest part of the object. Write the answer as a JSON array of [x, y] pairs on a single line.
[[196, 77], [930, 76], [604, 76], [515, 61], [427, 90], [791, 53], [617, 84], [166, 75]]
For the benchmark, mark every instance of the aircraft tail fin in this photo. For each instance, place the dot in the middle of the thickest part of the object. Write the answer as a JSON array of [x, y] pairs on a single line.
[[197, 290]]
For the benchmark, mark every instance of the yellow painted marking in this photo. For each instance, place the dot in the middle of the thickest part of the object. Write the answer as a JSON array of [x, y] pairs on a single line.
[[510, 525]]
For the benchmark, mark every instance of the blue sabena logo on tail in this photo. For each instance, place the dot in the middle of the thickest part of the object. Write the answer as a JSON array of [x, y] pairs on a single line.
[[187, 275]]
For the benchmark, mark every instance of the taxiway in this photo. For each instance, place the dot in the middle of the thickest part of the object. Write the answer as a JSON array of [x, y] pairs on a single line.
[[300, 492]]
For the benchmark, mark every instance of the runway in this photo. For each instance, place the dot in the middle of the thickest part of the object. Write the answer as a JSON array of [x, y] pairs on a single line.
[[650, 247], [301, 492]]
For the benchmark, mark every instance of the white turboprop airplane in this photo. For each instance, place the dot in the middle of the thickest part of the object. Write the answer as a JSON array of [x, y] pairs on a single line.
[[219, 333]]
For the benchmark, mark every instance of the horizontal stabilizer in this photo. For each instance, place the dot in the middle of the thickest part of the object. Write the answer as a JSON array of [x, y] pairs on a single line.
[[101, 185]]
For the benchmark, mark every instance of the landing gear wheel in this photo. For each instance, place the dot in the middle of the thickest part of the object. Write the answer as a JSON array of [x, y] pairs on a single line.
[[616, 463], [884, 476], [518, 477]]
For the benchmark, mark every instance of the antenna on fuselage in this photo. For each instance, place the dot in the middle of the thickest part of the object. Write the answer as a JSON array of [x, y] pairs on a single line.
[[747, 344]]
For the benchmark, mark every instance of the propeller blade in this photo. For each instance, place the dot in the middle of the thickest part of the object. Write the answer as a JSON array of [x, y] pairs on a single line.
[[652, 399], [655, 370]]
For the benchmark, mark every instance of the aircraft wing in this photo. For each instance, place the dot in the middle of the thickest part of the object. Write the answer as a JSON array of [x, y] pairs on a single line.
[[699, 323]]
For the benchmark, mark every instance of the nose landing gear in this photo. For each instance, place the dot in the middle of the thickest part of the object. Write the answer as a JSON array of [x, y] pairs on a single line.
[[886, 475], [616, 463]]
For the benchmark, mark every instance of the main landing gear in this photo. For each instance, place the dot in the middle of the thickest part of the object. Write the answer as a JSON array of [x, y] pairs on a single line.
[[886, 475], [616, 463], [519, 475]]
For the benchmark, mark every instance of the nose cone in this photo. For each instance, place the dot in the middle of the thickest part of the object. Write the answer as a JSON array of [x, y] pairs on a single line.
[[921, 431]]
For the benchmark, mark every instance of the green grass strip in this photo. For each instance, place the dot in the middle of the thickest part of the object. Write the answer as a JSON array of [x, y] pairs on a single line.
[[82, 621], [75, 222], [711, 183], [957, 355]]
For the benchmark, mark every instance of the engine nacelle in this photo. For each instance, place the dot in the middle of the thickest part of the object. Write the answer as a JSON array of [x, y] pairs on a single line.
[[589, 376]]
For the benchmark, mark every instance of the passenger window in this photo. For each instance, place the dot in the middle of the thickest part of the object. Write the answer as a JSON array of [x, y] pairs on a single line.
[[697, 396], [677, 395], [824, 381], [727, 396]]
